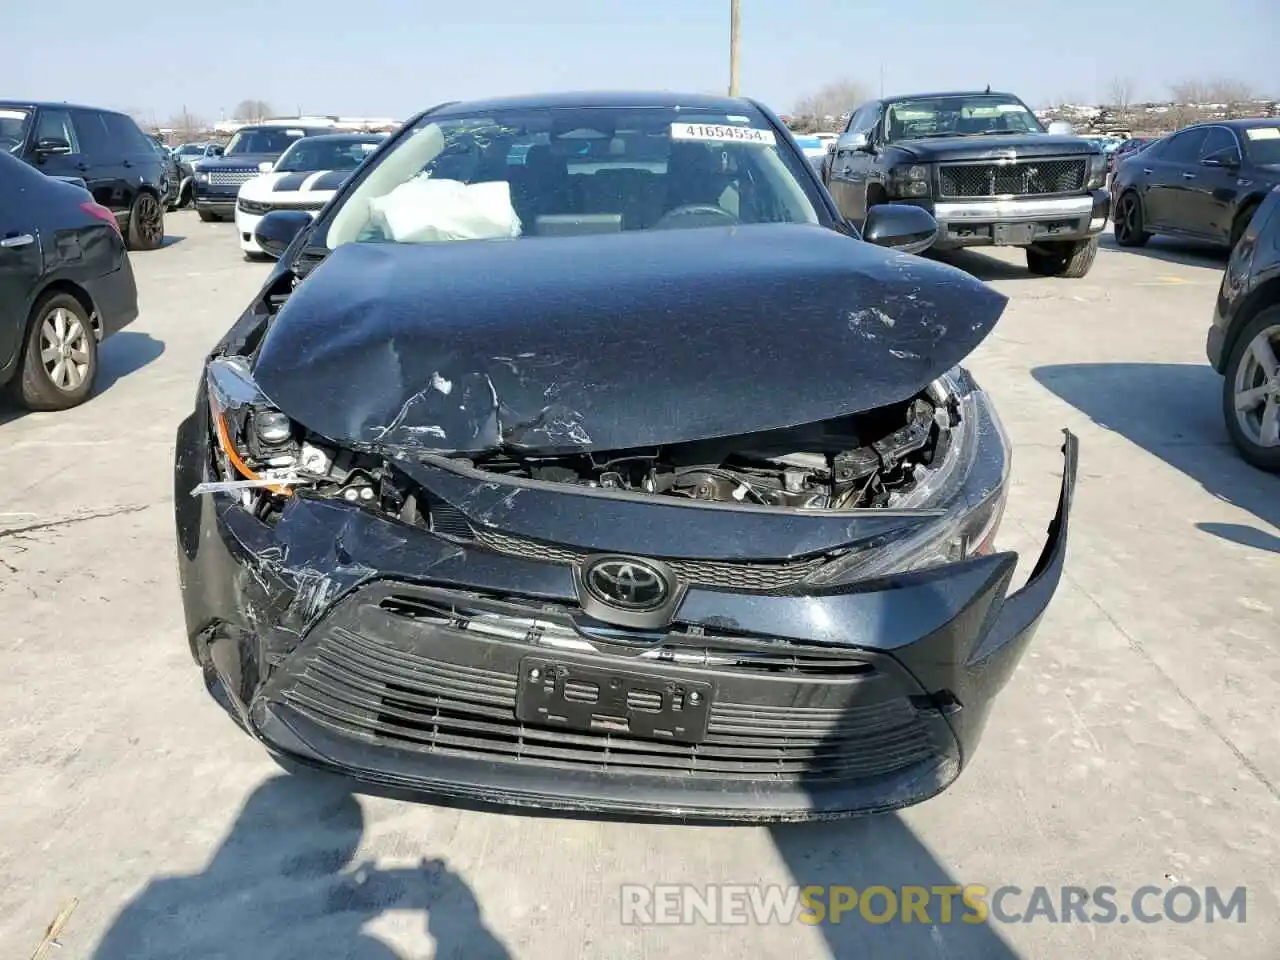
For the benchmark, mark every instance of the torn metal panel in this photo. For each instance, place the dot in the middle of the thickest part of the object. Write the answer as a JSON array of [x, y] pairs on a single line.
[[667, 337]]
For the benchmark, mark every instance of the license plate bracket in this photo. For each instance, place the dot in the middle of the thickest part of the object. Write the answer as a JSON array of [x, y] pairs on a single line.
[[1013, 234], [586, 699]]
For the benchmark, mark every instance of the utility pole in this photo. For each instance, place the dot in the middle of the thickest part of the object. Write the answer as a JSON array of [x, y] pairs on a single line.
[[735, 28]]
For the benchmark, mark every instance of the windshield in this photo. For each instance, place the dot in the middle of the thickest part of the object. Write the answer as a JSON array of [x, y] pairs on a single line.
[[13, 128], [557, 171], [1262, 144], [326, 153], [953, 116], [269, 141]]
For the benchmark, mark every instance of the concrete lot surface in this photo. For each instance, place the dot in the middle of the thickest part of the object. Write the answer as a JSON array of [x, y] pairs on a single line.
[[1137, 744]]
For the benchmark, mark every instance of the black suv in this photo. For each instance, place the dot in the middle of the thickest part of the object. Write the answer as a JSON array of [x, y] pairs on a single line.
[[984, 166], [105, 149], [250, 153]]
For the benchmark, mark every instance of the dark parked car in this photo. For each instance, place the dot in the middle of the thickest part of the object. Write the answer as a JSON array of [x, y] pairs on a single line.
[[671, 499], [65, 284], [1126, 149], [1244, 339], [249, 153], [106, 149], [985, 167], [174, 174], [1203, 182]]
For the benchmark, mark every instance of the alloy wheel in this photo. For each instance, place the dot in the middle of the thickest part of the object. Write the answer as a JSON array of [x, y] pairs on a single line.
[[150, 220], [1257, 389], [64, 349], [1129, 217]]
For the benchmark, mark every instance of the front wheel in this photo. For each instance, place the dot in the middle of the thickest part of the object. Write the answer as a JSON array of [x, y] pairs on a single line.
[[59, 357], [1129, 224], [1251, 391], [1063, 258], [146, 222]]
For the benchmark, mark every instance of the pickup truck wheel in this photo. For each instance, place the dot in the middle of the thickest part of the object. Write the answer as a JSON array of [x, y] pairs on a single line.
[[208, 216], [1064, 258], [1129, 223], [1251, 391]]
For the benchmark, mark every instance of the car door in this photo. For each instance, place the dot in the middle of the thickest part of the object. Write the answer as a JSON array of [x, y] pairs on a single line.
[[1217, 185], [55, 149], [20, 265], [105, 161], [142, 163], [850, 167], [1169, 174]]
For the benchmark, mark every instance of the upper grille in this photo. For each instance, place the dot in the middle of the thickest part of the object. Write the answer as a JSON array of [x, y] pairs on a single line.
[[258, 207], [730, 574], [230, 178], [1024, 178], [380, 692]]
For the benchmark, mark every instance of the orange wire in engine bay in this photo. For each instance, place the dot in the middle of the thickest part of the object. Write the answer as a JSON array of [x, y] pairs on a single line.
[[224, 440]]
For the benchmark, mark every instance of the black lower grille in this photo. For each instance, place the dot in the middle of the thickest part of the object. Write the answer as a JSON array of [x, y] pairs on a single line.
[[384, 692], [1022, 179]]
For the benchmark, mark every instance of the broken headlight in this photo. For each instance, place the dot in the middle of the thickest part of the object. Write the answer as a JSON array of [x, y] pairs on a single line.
[[962, 498], [256, 444], [909, 181]]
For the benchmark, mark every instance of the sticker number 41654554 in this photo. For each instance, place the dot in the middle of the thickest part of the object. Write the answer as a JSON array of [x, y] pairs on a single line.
[[720, 133]]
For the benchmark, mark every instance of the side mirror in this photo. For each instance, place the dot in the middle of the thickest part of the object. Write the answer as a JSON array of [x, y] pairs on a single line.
[[266, 166], [1227, 159], [901, 227], [279, 228], [1062, 128], [52, 147], [853, 143]]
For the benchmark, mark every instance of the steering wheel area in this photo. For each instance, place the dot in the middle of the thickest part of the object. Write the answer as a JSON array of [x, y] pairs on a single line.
[[695, 215]]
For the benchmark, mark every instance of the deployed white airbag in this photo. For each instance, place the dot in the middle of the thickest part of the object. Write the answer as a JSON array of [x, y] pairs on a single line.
[[425, 210]]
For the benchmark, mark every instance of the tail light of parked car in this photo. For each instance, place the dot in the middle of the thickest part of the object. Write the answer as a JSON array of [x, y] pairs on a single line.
[[101, 212]]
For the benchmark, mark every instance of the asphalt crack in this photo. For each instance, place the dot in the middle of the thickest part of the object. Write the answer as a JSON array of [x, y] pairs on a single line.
[[18, 532]]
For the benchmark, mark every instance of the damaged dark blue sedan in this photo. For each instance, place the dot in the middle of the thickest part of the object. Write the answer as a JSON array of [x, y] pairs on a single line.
[[579, 457]]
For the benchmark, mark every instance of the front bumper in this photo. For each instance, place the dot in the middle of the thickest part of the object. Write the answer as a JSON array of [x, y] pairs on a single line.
[[323, 636], [971, 223], [246, 223], [216, 199]]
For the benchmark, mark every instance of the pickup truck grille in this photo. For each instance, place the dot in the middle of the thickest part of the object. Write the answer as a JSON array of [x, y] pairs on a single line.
[[1025, 178]]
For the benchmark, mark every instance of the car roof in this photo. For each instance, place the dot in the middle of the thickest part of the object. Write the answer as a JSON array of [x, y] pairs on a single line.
[[604, 99], [31, 104], [1241, 124], [354, 135], [948, 93]]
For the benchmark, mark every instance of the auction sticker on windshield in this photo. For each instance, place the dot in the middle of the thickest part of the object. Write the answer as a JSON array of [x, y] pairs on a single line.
[[719, 133]]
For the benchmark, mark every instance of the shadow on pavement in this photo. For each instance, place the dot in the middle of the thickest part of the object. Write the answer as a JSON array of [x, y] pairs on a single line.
[[285, 884], [170, 239], [1190, 253], [1243, 535], [124, 353], [883, 851], [982, 267], [1173, 411], [118, 356]]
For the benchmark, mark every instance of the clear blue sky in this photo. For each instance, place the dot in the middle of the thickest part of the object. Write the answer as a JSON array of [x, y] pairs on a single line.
[[392, 57]]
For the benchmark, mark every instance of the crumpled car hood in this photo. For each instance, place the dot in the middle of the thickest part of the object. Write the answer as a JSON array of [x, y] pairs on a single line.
[[646, 338]]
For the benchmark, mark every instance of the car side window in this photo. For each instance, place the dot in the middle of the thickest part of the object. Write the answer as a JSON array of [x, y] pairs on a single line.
[[125, 135], [93, 133], [1184, 147], [56, 124], [1218, 140]]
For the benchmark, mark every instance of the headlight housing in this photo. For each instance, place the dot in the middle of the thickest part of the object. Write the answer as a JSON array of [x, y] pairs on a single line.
[[967, 489], [201, 176], [910, 181], [1097, 174], [256, 445]]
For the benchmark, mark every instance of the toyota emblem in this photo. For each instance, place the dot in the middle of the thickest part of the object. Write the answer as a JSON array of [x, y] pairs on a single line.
[[626, 584]]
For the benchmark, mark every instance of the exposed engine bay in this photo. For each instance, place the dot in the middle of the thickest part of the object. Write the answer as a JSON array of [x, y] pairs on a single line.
[[865, 460]]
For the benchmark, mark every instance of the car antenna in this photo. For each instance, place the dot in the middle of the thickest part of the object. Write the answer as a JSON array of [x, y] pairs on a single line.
[[988, 90]]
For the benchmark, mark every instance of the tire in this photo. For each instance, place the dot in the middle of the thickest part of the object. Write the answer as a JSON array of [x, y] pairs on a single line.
[[1241, 224], [1129, 226], [1067, 258], [1243, 371], [146, 222], [208, 216], [34, 386]]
